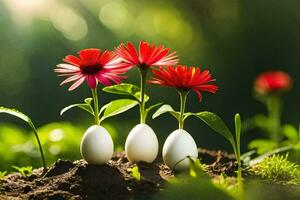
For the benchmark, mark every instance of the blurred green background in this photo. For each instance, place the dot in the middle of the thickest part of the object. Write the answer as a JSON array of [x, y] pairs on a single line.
[[234, 39]]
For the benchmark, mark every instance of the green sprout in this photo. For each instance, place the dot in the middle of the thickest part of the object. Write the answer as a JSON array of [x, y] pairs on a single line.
[[196, 167], [135, 172], [25, 118], [2, 175], [279, 169], [24, 171], [217, 124]]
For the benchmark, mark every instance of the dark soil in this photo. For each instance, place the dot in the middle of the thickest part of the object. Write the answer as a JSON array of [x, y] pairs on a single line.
[[79, 180]]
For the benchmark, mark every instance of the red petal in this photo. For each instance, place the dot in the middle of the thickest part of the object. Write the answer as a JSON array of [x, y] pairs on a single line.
[[199, 94], [73, 60], [89, 56]]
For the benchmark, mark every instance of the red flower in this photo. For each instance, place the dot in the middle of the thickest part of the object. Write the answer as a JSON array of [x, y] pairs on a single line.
[[185, 78], [149, 55], [93, 66], [272, 81]]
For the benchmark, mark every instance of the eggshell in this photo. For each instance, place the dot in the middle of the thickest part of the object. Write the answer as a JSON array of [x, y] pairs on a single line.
[[141, 144], [96, 145], [177, 147]]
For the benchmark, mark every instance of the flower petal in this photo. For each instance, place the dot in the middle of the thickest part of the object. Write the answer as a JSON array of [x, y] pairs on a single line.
[[73, 60], [76, 84]]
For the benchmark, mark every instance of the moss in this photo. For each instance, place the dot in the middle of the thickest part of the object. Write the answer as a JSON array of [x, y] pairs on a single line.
[[279, 169]]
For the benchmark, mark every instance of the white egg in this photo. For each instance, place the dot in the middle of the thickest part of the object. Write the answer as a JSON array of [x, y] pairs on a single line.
[[141, 144], [96, 146], [177, 147]]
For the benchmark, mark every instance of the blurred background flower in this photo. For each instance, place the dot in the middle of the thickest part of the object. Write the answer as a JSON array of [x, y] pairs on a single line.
[[235, 40], [272, 82]]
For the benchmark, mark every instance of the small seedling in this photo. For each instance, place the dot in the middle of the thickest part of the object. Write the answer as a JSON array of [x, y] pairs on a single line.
[[24, 171], [25, 118], [279, 169], [196, 168], [217, 124], [135, 173], [2, 175]]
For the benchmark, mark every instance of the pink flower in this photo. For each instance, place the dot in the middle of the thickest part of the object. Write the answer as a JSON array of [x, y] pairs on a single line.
[[94, 66]]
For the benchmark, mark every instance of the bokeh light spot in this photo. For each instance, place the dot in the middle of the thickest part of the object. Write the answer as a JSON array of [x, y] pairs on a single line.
[[73, 26], [56, 135]]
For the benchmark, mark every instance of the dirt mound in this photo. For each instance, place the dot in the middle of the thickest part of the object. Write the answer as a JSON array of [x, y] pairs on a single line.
[[79, 180]]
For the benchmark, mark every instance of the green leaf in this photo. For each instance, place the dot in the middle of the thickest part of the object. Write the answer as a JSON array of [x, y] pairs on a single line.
[[135, 173], [290, 132], [216, 123], [118, 106], [196, 167], [237, 123], [24, 117], [18, 114], [262, 145], [125, 89], [88, 100], [86, 107], [166, 109], [2, 175], [258, 121], [24, 171]]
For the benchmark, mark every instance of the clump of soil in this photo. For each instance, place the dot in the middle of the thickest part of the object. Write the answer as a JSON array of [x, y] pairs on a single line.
[[79, 180]]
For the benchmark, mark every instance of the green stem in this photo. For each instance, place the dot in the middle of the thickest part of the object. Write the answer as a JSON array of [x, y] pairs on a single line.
[[239, 175], [96, 106], [183, 96], [274, 108], [41, 150], [237, 152], [143, 74]]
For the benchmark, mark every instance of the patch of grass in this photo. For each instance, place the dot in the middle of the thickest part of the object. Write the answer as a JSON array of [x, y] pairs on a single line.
[[24, 171], [278, 168]]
